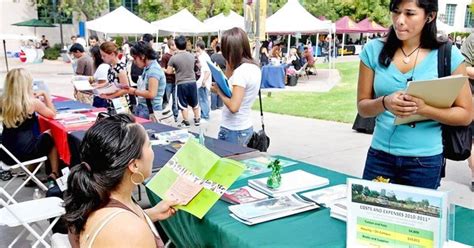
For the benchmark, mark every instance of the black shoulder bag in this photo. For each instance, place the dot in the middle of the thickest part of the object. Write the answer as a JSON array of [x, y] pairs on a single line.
[[457, 140], [260, 140]]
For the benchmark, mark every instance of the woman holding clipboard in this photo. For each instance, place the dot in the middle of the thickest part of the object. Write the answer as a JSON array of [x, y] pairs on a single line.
[[407, 154], [244, 81]]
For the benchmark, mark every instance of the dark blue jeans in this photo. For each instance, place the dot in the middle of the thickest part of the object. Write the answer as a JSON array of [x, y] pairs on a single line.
[[422, 172]]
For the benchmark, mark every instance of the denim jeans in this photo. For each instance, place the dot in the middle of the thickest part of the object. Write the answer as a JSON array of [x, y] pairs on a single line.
[[216, 101], [203, 94], [422, 172], [240, 137], [171, 90], [142, 111]]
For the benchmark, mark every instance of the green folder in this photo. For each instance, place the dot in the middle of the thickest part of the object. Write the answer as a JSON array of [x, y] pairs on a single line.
[[195, 161]]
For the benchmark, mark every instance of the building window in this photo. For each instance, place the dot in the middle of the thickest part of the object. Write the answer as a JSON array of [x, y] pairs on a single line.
[[450, 14], [131, 5], [48, 12], [469, 19]]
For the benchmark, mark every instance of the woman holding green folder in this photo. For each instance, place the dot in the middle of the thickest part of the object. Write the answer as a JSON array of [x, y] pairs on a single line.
[[244, 79], [407, 154], [116, 156]]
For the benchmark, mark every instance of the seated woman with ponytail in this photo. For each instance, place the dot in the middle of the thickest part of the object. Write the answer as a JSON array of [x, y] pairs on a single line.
[[116, 156]]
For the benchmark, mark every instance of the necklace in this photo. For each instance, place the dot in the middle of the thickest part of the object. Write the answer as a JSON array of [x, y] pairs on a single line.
[[406, 60]]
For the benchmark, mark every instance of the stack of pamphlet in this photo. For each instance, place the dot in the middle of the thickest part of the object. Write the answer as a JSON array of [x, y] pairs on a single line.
[[270, 209], [71, 119], [242, 195], [180, 135], [333, 197], [291, 182]]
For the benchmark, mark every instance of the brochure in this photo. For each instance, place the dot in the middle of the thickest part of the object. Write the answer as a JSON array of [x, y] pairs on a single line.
[[84, 86], [391, 215], [291, 182], [327, 195], [196, 177], [270, 209], [242, 195], [220, 78], [259, 165], [180, 135]]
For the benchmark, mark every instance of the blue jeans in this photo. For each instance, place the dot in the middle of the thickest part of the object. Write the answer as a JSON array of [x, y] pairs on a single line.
[[216, 102], [203, 94], [142, 111], [240, 137], [171, 90], [422, 172]]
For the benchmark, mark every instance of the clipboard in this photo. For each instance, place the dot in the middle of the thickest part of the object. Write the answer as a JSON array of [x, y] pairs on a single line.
[[439, 93], [220, 79]]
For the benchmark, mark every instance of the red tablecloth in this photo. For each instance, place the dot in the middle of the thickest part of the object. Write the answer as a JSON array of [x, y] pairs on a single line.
[[60, 132]]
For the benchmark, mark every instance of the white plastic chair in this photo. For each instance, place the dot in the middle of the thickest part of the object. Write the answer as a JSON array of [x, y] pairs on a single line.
[[31, 174], [27, 213]]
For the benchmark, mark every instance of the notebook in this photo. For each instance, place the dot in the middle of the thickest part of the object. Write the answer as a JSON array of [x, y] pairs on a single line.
[[439, 92], [220, 78]]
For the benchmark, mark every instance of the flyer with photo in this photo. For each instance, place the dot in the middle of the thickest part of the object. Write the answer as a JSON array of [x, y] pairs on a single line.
[[391, 215]]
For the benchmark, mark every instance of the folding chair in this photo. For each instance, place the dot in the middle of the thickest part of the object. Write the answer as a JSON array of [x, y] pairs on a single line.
[[302, 71], [23, 166], [28, 213]]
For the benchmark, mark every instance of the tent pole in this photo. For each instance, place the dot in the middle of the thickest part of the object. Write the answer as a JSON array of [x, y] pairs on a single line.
[[288, 50], [343, 39], [317, 41], [5, 52]]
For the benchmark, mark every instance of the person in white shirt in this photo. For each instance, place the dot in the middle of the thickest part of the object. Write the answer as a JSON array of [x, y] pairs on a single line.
[[100, 75], [244, 79], [204, 81]]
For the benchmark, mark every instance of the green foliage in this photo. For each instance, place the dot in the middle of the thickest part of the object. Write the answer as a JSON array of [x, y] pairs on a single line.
[[52, 53], [89, 9]]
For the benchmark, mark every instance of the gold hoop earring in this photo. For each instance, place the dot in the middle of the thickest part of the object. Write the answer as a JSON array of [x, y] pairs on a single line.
[[139, 173]]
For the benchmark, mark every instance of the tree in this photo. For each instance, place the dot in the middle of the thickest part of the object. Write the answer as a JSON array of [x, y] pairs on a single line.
[[89, 9]]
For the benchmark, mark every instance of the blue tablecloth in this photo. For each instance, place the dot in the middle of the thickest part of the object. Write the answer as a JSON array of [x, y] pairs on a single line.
[[273, 76], [70, 105]]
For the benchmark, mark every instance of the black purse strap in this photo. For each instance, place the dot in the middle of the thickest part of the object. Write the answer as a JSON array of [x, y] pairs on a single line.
[[444, 59], [261, 108]]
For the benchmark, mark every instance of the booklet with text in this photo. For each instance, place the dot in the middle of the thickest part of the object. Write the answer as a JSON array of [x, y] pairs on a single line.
[[270, 209], [242, 195], [196, 177]]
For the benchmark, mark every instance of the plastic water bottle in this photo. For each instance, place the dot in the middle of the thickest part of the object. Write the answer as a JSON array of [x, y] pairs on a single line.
[[202, 139], [37, 194]]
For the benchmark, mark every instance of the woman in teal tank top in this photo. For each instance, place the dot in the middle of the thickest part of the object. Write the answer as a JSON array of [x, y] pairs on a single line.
[[407, 154]]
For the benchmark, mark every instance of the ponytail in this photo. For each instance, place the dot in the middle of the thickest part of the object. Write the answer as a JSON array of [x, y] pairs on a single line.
[[106, 150]]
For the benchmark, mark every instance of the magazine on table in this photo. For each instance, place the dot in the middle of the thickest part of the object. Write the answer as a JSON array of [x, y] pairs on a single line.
[[270, 209], [180, 135], [259, 165], [196, 177], [291, 182], [328, 195], [242, 195]]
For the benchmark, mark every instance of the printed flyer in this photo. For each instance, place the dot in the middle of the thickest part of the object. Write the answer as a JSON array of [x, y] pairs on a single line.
[[390, 215]]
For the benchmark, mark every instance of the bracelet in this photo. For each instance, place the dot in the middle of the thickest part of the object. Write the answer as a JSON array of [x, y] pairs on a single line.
[[383, 103]]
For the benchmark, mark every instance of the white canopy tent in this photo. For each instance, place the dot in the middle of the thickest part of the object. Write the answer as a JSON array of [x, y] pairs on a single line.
[[293, 18], [183, 23], [121, 21], [224, 22]]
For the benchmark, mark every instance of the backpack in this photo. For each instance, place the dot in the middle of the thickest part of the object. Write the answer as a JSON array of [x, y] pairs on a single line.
[[457, 140]]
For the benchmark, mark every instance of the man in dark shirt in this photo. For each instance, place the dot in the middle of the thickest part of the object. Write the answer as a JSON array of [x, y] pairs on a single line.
[[218, 59], [170, 92], [182, 65], [85, 64]]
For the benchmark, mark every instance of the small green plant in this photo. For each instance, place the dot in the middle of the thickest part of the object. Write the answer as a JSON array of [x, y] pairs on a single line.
[[274, 180]]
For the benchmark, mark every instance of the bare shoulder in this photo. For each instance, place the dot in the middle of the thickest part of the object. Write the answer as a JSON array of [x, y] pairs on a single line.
[[124, 230]]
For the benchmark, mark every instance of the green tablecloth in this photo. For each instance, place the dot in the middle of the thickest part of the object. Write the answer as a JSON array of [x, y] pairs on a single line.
[[309, 229]]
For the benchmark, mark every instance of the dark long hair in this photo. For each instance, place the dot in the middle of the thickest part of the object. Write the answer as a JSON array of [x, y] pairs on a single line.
[[428, 34], [236, 47], [95, 52], [106, 150], [144, 49]]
